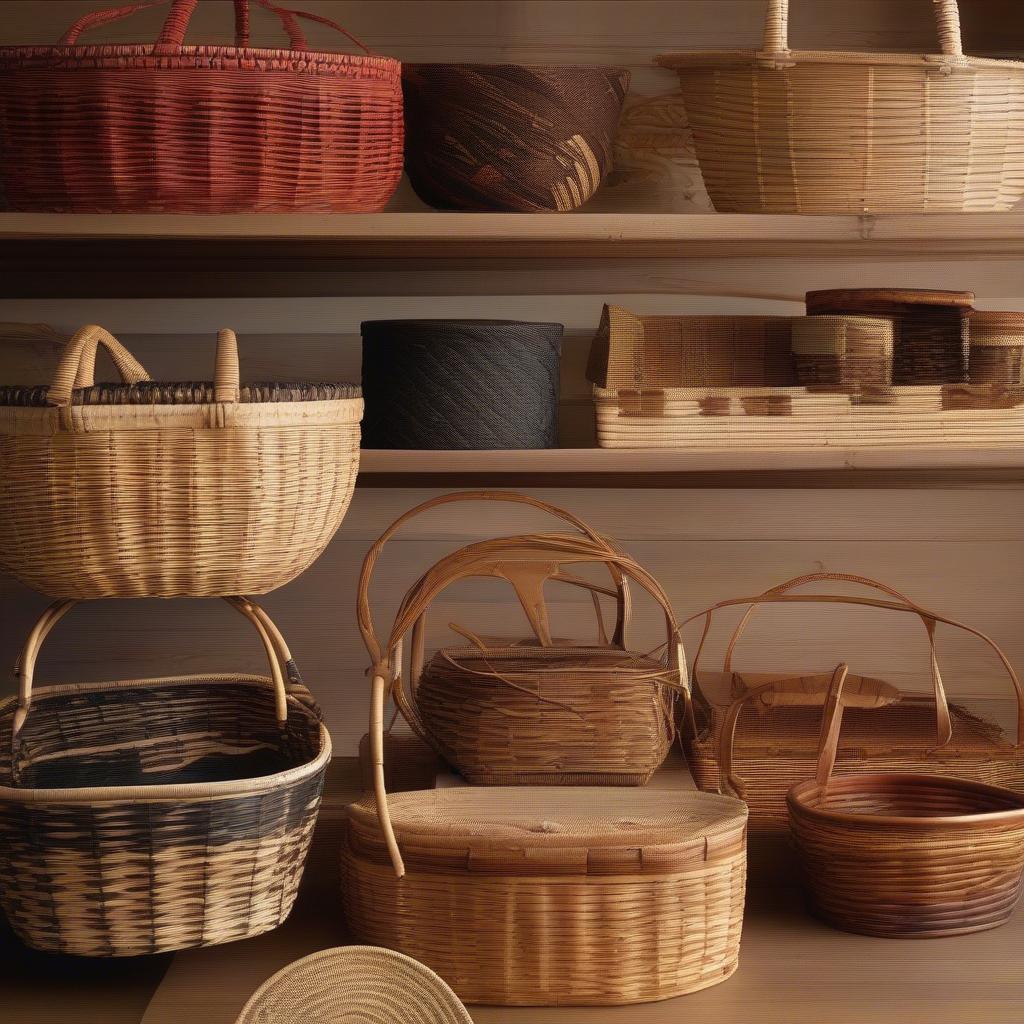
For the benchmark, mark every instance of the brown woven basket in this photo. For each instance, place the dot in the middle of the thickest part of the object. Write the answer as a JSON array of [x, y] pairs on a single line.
[[153, 490], [997, 347], [538, 711], [201, 129], [844, 352], [902, 855], [158, 814], [800, 131], [764, 726]]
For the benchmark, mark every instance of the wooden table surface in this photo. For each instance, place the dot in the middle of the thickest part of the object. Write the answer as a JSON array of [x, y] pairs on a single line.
[[793, 969]]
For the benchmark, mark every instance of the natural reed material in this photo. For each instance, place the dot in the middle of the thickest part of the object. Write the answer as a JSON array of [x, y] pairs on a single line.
[[802, 131], [166, 490], [509, 137], [157, 814], [166, 127], [542, 710], [556, 896], [903, 855], [364, 984], [757, 731], [930, 343], [997, 347], [843, 351], [461, 384]]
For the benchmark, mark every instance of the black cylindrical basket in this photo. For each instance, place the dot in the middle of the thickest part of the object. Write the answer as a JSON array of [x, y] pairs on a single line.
[[460, 384]]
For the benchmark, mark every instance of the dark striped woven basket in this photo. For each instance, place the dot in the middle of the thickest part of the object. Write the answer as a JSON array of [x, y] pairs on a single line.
[[460, 384]]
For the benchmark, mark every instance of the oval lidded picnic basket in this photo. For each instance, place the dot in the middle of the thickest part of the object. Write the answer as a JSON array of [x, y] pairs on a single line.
[[152, 815], [903, 855], [801, 131], [165, 127], [146, 489], [540, 711]]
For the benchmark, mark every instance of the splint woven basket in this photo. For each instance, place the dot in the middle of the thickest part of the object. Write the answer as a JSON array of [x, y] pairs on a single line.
[[144, 489], [756, 732], [157, 814], [169, 127], [801, 131], [543, 710]]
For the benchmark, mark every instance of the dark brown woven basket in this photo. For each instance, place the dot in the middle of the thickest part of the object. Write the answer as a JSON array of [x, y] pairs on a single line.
[[510, 137]]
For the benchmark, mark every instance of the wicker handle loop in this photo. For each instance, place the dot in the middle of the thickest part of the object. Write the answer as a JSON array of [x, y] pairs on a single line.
[[77, 365], [94, 19], [226, 387], [288, 19], [831, 723]]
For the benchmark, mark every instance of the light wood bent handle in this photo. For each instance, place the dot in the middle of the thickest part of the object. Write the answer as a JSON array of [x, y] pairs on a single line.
[[226, 386], [76, 367], [776, 27], [947, 16], [831, 723], [380, 793]]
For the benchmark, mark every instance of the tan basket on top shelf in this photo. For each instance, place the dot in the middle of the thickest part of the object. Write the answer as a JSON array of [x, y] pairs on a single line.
[[997, 347], [762, 727], [805, 131], [147, 489], [541, 711]]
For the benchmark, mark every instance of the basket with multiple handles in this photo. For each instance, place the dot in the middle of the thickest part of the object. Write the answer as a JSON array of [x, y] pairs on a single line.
[[801, 131], [151, 815], [540, 710], [756, 733], [146, 489], [176, 128]]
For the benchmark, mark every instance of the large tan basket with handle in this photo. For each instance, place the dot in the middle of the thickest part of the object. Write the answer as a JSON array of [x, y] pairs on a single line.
[[806, 131], [146, 489], [144, 816], [540, 710], [904, 855], [756, 732]]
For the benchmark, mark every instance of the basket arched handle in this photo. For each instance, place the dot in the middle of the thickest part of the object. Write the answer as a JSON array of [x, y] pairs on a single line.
[[77, 365], [831, 724], [226, 374], [947, 18]]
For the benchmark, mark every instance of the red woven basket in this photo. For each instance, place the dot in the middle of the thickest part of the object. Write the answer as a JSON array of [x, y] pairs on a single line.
[[200, 129]]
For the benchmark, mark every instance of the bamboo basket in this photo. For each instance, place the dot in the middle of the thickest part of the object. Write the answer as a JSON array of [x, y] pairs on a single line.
[[997, 348], [807, 131], [844, 352], [168, 490], [904, 855], [158, 814], [541, 711], [363, 984], [165, 127], [764, 726]]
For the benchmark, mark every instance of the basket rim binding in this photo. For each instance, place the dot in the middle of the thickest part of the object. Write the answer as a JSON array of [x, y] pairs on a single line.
[[282, 667]]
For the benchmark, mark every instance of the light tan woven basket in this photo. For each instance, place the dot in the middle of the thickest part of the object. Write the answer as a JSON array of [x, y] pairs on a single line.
[[802, 131], [542, 710], [997, 347], [158, 814], [764, 726], [356, 984], [904, 855], [151, 490]]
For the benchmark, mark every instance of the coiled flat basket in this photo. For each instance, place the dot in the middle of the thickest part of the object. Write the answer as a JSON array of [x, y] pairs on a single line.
[[801, 131], [354, 985], [905, 855], [170, 490]]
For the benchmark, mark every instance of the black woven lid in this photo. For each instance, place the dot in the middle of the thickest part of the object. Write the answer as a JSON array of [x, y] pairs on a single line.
[[178, 393], [438, 327]]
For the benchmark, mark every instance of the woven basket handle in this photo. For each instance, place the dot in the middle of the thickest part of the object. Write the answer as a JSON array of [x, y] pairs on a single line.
[[947, 17], [831, 723], [278, 657], [77, 365]]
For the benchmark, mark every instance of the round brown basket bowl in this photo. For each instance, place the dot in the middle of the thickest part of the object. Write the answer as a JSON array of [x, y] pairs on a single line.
[[507, 137], [909, 856]]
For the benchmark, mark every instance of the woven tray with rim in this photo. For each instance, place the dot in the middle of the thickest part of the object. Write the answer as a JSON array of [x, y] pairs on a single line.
[[763, 727], [170, 127], [149, 489]]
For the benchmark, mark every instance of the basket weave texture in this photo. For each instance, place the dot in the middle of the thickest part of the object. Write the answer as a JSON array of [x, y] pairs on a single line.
[[461, 384], [997, 347], [166, 127], [757, 733], [166, 490], [903, 855], [354, 983], [509, 137], [159, 814], [801, 131]]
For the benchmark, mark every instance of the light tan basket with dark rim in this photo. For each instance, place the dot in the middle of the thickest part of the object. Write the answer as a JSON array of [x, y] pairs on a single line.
[[903, 855], [997, 347], [540, 711], [804, 131], [158, 814], [767, 723], [168, 490], [364, 984]]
